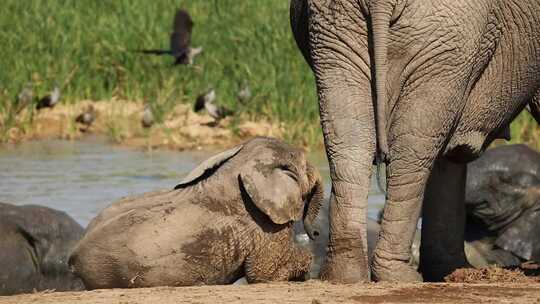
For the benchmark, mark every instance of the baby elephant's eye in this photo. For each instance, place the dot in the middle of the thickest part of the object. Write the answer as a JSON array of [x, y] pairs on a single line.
[[288, 170]]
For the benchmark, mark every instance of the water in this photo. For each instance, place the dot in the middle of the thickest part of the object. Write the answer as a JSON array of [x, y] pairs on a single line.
[[82, 178]]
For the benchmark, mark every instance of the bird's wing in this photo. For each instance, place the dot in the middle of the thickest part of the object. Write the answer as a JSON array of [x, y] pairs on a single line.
[[43, 102], [154, 52], [55, 95], [179, 44], [199, 103], [181, 35], [80, 118]]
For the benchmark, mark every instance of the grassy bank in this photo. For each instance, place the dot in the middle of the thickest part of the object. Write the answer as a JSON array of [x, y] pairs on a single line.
[[86, 46]]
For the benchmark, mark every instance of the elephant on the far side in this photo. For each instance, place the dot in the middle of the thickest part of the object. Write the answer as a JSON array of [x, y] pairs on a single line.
[[503, 204], [502, 201], [232, 216], [35, 243]]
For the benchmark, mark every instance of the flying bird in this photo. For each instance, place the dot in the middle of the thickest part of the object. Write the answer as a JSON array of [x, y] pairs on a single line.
[[50, 100], [206, 101], [180, 40]]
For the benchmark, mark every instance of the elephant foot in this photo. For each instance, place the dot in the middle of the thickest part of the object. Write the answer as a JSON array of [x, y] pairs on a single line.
[[344, 270], [436, 272], [394, 271]]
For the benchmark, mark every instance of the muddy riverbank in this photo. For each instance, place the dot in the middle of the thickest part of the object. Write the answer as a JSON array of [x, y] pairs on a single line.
[[121, 122]]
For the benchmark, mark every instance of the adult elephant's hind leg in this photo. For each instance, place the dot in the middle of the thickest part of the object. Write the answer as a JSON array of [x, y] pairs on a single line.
[[406, 181], [422, 122], [349, 139], [443, 221]]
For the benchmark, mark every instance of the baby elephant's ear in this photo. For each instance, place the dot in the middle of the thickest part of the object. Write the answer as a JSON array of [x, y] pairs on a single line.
[[208, 166], [275, 192]]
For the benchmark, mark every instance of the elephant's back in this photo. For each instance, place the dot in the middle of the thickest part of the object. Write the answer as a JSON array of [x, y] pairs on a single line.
[[189, 245], [140, 247], [515, 165], [146, 200], [19, 273], [515, 158], [500, 185]]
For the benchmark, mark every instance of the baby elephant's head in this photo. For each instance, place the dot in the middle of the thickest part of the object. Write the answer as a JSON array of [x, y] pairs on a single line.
[[275, 176]]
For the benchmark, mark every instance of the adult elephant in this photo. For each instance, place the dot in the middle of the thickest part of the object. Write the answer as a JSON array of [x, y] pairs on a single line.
[[35, 242], [423, 86]]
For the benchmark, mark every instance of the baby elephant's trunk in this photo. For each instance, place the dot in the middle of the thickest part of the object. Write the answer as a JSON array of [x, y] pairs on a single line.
[[314, 202]]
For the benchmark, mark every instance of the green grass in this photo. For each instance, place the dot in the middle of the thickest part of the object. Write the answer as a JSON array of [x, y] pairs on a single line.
[[86, 45], [524, 129]]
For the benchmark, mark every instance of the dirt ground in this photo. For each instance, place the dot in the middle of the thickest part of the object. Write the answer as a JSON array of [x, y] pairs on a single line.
[[121, 121], [312, 292]]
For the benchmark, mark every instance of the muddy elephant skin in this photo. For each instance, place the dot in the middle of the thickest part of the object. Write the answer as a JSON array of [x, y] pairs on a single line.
[[35, 243], [503, 201], [230, 217]]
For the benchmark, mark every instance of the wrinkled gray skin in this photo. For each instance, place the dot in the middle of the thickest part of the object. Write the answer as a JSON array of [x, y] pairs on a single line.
[[425, 86], [35, 242], [502, 200], [503, 203], [479, 252], [231, 217]]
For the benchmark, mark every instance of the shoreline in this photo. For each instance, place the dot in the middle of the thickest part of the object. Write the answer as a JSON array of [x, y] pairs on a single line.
[[120, 122]]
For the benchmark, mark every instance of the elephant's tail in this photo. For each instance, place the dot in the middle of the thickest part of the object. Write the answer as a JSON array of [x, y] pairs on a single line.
[[381, 14]]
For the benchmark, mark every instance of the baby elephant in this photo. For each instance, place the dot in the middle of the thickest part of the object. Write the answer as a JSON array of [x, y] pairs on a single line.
[[232, 216], [35, 242]]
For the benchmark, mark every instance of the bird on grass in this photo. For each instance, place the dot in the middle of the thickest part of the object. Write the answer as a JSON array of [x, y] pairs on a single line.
[[206, 101], [49, 100], [87, 117], [244, 95], [148, 117], [24, 98], [180, 40]]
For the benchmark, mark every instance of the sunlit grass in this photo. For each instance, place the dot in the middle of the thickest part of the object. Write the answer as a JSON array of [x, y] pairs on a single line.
[[524, 129], [86, 47]]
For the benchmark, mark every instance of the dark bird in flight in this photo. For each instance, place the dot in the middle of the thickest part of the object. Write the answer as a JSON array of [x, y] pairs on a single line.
[[180, 40], [50, 100], [206, 101]]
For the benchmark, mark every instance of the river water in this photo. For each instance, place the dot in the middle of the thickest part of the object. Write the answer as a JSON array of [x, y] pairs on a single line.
[[83, 177]]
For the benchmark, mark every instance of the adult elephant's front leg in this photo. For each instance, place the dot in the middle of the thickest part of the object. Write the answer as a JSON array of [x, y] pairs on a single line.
[[443, 221], [347, 121]]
